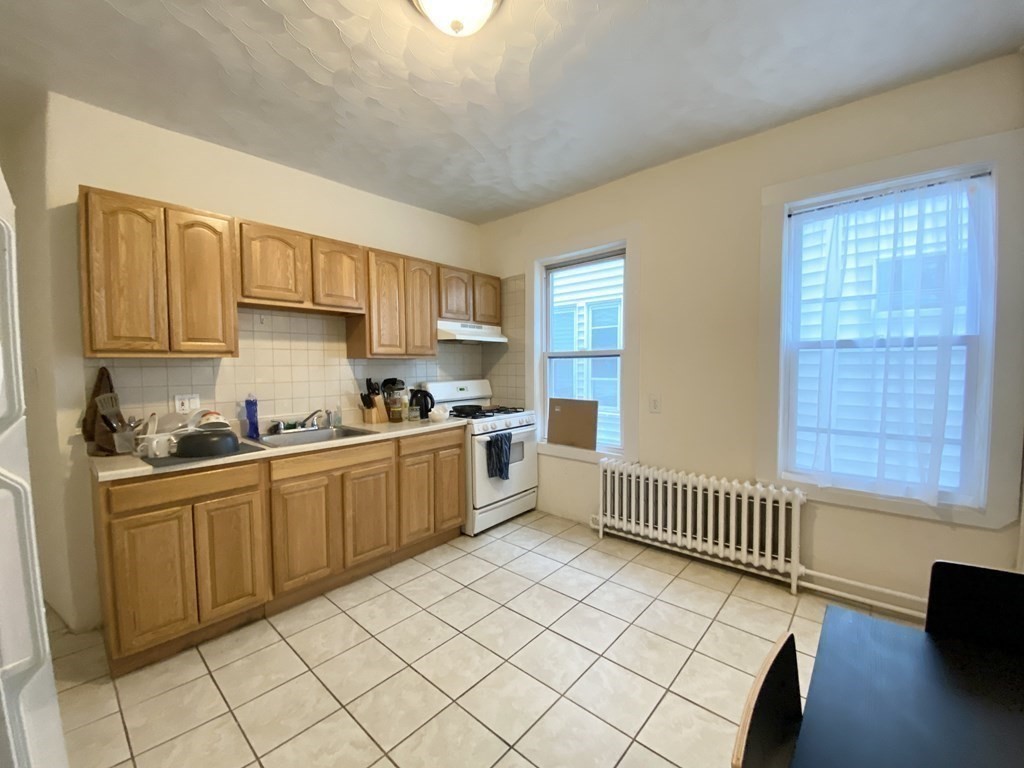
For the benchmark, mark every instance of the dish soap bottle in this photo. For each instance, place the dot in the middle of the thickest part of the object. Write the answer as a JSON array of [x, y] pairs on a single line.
[[252, 417]]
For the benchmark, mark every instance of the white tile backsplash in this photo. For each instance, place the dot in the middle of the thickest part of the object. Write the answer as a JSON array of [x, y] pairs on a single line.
[[294, 363], [504, 365]]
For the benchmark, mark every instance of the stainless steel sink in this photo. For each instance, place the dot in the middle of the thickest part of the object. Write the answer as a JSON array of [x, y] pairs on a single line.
[[308, 436]]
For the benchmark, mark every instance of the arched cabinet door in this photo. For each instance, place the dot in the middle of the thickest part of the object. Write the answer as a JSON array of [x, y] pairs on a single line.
[[456, 294], [420, 307], [487, 299], [124, 281], [339, 275], [387, 304], [275, 264], [200, 282]]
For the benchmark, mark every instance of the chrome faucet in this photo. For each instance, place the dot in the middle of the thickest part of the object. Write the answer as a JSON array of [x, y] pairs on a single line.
[[312, 417]]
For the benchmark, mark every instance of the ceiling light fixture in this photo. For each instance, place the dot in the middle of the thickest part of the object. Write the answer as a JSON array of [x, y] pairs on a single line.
[[458, 18]]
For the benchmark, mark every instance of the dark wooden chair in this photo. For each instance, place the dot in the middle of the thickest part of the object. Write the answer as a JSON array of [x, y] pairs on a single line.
[[976, 604], [772, 715]]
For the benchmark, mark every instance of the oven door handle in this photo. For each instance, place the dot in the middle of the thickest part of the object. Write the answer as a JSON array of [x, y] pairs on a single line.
[[514, 432]]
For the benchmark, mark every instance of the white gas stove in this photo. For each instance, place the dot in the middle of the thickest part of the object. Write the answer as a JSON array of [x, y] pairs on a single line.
[[491, 500]]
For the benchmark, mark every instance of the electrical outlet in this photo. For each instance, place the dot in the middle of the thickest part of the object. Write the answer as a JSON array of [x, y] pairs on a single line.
[[654, 403], [183, 403], [262, 320]]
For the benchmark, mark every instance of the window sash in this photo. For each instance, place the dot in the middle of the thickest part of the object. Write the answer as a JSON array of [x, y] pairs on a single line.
[[898, 436], [548, 355]]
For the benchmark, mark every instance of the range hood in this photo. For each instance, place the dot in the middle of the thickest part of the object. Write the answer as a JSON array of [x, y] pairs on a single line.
[[452, 330]]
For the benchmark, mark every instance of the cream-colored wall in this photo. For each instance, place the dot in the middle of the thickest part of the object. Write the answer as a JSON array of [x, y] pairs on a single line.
[[695, 225], [86, 145]]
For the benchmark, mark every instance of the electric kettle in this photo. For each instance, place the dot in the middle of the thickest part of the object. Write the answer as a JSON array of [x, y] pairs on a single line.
[[420, 403]]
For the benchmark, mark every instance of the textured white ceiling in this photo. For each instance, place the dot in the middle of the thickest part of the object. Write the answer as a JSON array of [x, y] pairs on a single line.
[[551, 98]]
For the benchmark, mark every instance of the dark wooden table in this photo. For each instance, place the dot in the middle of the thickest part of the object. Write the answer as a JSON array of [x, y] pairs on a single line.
[[886, 695]]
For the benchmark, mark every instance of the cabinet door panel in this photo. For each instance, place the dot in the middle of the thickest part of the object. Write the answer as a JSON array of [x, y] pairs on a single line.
[[450, 485], [339, 275], [369, 504], [200, 282], [420, 308], [231, 555], [415, 498], [154, 577], [387, 303], [275, 264], [487, 299], [305, 530], [456, 294], [126, 271]]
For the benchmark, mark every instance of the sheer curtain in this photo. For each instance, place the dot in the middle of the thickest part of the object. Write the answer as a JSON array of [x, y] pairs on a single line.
[[887, 343]]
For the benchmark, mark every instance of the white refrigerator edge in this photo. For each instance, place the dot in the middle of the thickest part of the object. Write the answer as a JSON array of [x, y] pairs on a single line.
[[30, 725]]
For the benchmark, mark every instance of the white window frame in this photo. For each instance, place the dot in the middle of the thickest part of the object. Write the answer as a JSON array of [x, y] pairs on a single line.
[[1003, 155], [543, 340]]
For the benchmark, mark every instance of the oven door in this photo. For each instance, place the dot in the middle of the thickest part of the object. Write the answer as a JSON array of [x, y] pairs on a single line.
[[522, 469]]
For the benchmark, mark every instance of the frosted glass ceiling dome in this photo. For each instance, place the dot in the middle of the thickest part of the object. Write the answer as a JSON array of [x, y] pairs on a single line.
[[458, 18]]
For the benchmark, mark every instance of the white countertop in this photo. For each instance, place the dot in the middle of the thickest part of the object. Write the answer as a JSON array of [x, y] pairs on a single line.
[[108, 468]]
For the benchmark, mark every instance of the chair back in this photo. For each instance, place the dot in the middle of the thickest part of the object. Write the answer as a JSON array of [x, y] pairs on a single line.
[[772, 715], [974, 603]]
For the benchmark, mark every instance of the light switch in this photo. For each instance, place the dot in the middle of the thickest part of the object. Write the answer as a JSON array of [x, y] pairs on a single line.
[[654, 403]]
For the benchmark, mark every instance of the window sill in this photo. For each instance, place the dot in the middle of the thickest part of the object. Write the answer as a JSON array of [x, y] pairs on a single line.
[[571, 453]]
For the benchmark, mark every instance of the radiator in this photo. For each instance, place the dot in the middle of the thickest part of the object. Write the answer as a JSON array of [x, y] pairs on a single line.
[[751, 527]]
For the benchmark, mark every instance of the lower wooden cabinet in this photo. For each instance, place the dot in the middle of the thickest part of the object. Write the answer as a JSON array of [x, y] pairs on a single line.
[[306, 531], [449, 488], [369, 508], [183, 555], [231, 555], [431, 483], [416, 498], [154, 577]]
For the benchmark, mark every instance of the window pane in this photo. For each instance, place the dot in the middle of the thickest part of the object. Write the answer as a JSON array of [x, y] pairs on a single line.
[[887, 348], [562, 379], [591, 379], [585, 306]]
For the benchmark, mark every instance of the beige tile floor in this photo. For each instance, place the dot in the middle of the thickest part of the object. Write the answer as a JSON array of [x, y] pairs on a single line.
[[533, 645]]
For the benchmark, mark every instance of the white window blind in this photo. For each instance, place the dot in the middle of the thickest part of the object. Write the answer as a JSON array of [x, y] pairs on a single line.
[[583, 348], [888, 318]]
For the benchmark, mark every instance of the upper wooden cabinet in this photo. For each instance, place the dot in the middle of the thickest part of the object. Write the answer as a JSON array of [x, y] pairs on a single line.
[[387, 304], [487, 299], [201, 282], [456, 288], [275, 264], [420, 307], [339, 275], [401, 317], [124, 274], [469, 296], [156, 280]]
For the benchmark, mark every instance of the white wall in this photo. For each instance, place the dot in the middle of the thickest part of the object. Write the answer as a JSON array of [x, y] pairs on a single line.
[[82, 144], [695, 225]]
